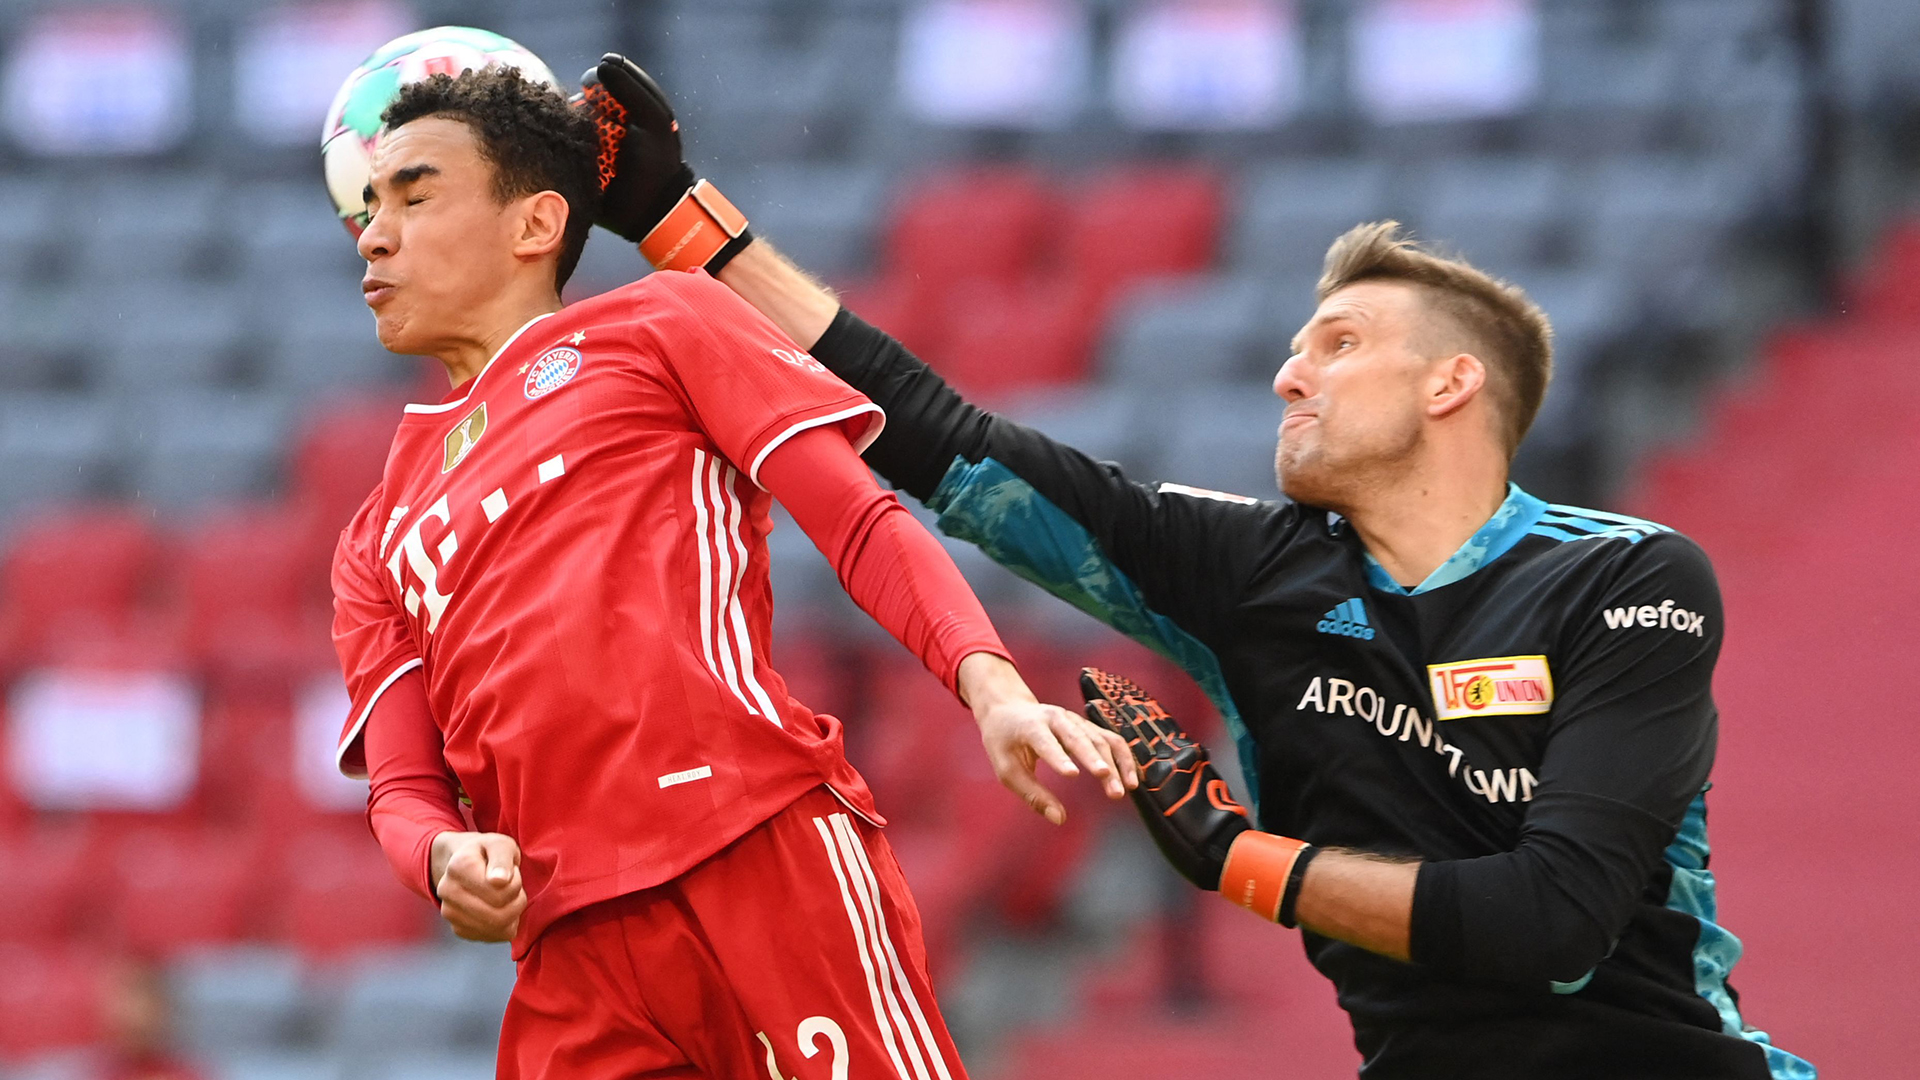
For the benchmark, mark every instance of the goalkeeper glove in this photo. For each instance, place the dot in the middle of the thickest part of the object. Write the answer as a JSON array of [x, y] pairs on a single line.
[[649, 194], [1190, 813]]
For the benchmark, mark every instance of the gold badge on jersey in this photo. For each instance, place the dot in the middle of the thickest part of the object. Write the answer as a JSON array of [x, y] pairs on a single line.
[[1499, 686], [465, 435]]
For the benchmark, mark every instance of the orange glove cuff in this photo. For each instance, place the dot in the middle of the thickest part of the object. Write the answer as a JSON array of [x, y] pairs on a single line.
[[1257, 869], [701, 224]]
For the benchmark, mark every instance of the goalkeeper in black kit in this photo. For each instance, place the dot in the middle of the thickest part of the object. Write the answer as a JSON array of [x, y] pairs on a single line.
[[1477, 727]]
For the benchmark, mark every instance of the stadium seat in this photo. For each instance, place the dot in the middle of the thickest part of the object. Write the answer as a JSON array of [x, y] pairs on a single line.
[[341, 896], [1182, 331], [50, 998], [416, 998], [284, 1065], [900, 305], [177, 888], [288, 231], [202, 447], [1135, 222], [989, 223], [821, 216], [54, 447], [1105, 422], [340, 360], [1888, 287], [48, 885], [1006, 338], [1503, 213], [470, 1065], [338, 455], [1290, 211], [248, 571], [1222, 438], [238, 998], [79, 571]]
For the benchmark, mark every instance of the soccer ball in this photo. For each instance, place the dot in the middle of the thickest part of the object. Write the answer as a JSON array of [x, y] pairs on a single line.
[[353, 122]]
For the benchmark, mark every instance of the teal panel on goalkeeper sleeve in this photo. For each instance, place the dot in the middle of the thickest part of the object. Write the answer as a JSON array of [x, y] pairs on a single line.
[[987, 505], [1692, 892]]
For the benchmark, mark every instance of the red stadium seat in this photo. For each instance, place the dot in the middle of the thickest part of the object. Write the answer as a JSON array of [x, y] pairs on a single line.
[[339, 459], [341, 896], [74, 575], [49, 1000], [1888, 288], [902, 307], [984, 223], [47, 884], [178, 887], [1132, 223], [253, 582], [1002, 338]]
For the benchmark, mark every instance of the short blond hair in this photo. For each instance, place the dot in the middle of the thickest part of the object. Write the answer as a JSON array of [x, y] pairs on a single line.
[[1505, 329]]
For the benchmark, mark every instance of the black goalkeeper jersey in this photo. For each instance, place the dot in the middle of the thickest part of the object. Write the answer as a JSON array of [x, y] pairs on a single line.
[[1533, 722]]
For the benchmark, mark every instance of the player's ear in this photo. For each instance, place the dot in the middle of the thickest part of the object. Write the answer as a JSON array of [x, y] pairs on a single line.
[[541, 225], [1453, 383]]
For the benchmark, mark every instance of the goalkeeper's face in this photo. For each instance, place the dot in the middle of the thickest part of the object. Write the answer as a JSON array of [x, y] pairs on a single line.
[[1356, 390], [440, 245]]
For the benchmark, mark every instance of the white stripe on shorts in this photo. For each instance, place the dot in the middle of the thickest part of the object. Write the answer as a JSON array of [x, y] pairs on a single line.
[[860, 941]]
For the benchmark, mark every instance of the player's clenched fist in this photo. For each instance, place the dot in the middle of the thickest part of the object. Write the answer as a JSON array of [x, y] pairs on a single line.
[[477, 878]]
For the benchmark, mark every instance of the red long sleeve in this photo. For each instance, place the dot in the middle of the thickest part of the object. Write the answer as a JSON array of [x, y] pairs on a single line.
[[413, 796], [891, 566]]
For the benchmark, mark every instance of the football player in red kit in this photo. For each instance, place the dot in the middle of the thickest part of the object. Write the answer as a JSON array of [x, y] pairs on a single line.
[[556, 605]]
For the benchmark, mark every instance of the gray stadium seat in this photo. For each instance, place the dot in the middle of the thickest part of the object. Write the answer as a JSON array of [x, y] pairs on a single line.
[[1662, 221], [315, 363], [570, 37], [288, 229], [1221, 438], [1291, 211], [416, 999], [1107, 423], [137, 226], [1502, 213], [823, 216], [53, 446], [45, 337], [1182, 331], [607, 262], [284, 1065], [802, 579], [471, 1065], [35, 205], [158, 335], [189, 448], [238, 999]]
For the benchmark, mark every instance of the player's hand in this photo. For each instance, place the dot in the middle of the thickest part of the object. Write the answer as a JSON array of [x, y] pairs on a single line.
[[642, 170], [1191, 815], [1019, 732], [477, 877]]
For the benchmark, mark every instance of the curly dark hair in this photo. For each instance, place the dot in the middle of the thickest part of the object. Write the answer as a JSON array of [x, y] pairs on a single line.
[[533, 139]]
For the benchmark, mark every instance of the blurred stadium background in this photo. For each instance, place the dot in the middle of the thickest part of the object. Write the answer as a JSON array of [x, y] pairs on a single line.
[[1104, 217]]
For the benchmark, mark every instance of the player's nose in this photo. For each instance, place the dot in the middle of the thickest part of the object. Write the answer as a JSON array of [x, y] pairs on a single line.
[[1289, 383], [376, 240]]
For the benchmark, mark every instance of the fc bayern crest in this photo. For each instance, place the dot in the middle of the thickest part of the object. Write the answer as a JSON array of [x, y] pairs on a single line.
[[555, 369]]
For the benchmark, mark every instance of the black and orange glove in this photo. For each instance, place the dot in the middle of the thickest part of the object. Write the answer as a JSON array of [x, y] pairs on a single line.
[[649, 193], [1192, 816]]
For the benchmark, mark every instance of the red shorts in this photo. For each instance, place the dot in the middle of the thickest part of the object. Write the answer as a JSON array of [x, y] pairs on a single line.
[[793, 954]]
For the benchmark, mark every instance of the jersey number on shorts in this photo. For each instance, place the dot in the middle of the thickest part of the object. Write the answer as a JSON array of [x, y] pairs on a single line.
[[810, 1031]]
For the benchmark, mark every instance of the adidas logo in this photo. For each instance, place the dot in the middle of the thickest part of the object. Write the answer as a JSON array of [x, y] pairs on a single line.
[[1349, 619]]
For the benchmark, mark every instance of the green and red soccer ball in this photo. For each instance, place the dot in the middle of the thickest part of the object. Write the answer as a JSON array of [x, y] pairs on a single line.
[[353, 126]]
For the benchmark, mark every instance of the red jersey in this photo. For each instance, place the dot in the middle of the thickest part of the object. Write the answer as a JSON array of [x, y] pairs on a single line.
[[573, 553]]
